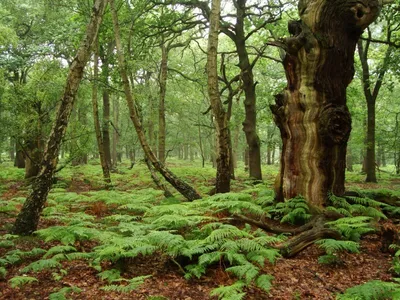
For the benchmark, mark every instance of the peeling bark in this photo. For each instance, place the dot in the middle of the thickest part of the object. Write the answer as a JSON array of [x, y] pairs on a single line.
[[311, 112]]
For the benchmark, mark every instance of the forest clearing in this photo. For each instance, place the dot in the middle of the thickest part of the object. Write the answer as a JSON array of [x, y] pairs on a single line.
[[188, 149]]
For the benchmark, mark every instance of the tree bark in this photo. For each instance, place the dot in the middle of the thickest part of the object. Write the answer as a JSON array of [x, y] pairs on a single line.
[[186, 190], [114, 153], [371, 94], [223, 179], [311, 112], [161, 104], [28, 218], [249, 87], [99, 139]]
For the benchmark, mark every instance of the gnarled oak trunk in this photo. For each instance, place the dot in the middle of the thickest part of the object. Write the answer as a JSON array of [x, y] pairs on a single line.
[[311, 112]]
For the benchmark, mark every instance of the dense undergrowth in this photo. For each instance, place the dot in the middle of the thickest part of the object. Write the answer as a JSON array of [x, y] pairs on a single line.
[[134, 221]]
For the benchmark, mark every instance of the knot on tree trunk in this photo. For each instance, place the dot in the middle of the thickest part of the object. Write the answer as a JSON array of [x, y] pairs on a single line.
[[335, 125]]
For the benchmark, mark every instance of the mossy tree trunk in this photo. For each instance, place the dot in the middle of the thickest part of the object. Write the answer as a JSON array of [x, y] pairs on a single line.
[[311, 112], [28, 218]]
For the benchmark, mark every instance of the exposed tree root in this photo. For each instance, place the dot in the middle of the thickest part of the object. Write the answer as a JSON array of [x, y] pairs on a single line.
[[304, 236]]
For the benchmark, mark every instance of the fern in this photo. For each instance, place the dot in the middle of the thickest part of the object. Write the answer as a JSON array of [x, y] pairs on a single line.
[[68, 234], [110, 275], [41, 265], [133, 284], [352, 228], [62, 293], [58, 249], [293, 211], [332, 246], [230, 292], [372, 290], [19, 281], [264, 282], [3, 272], [248, 272]]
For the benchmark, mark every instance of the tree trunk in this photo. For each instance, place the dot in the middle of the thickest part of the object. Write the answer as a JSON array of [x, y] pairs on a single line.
[[161, 105], [99, 139], [249, 87], [12, 149], [371, 95], [32, 159], [28, 218], [104, 56], [186, 190], [115, 154], [349, 160], [311, 113], [223, 179]]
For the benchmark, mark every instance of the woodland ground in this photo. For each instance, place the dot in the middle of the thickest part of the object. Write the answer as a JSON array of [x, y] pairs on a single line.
[[301, 277]]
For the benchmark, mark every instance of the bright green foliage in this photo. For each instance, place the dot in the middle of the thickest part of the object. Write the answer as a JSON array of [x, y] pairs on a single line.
[[110, 275], [19, 281], [3, 272], [362, 206], [41, 265], [62, 293], [58, 249], [293, 211], [133, 284], [230, 292], [332, 246], [372, 290], [15, 256], [352, 228], [68, 234]]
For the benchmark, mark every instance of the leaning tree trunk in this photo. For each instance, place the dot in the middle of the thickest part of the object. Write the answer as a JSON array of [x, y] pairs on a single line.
[[28, 218], [311, 112], [186, 190]]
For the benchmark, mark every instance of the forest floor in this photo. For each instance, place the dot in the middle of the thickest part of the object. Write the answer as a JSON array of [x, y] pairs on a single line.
[[301, 277]]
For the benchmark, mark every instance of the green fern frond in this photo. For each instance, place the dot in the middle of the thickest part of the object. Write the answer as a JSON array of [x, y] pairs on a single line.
[[41, 265], [230, 292], [68, 234], [248, 272], [18, 281], [332, 246], [110, 275], [3, 272], [59, 249], [133, 284], [270, 254], [340, 210], [264, 282], [63, 292], [195, 270], [226, 232], [372, 290]]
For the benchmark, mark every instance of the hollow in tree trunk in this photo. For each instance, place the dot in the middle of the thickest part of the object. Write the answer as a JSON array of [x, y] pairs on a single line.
[[311, 112]]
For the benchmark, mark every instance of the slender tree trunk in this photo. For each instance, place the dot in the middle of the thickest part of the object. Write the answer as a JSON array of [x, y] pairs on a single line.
[[12, 149], [311, 113], [246, 159], [99, 139], [32, 159], [28, 218], [115, 154], [349, 160], [186, 190], [236, 146], [371, 95], [220, 115], [161, 107]]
